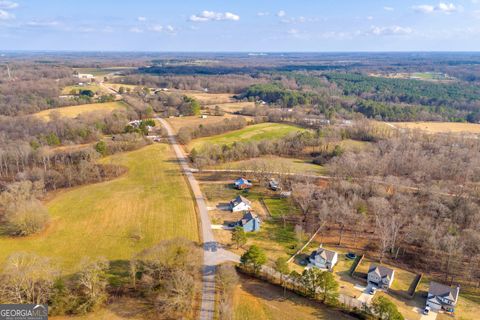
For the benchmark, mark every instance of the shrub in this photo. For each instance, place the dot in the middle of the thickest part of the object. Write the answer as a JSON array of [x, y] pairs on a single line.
[[26, 218]]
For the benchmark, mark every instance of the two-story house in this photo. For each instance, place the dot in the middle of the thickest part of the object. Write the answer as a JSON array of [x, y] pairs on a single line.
[[323, 258], [442, 297], [380, 276]]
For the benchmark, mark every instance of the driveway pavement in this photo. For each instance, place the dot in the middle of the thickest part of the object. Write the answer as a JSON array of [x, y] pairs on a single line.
[[213, 253], [366, 297]]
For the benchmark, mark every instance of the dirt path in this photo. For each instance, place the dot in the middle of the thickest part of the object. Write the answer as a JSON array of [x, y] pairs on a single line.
[[213, 253]]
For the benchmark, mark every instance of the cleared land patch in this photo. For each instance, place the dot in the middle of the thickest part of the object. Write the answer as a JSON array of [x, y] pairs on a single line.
[[74, 111], [273, 164], [440, 127], [258, 300], [118, 218], [251, 133], [232, 106], [77, 88], [195, 121], [206, 98]]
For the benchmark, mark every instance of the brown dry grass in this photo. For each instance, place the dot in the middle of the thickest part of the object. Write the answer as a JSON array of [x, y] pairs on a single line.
[[440, 127], [74, 111], [195, 121], [257, 300]]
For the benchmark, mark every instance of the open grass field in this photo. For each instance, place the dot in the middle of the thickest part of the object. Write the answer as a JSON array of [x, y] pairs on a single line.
[[232, 106], [92, 87], [258, 300], [274, 164], [195, 121], [74, 111], [440, 127], [251, 133], [118, 218], [205, 98]]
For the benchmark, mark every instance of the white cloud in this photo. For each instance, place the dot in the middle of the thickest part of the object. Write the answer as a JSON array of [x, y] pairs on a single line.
[[388, 8], [391, 30], [156, 28], [281, 13], [141, 19], [370, 18], [108, 29], [214, 16], [170, 29], [263, 14], [135, 30], [5, 15], [476, 14], [8, 4], [41, 24], [293, 31], [442, 7]]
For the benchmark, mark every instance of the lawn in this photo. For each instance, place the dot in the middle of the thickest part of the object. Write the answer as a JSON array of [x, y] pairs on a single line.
[[440, 127], [118, 218], [273, 164], [250, 133], [257, 300], [74, 111]]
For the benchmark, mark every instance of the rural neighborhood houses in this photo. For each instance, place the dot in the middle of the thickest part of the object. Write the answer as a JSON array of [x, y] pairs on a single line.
[[84, 76], [240, 204], [323, 258], [442, 297], [250, 222], [242, 184], [380, 276]]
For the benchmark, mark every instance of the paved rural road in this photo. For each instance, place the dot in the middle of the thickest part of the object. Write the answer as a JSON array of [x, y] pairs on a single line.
[[213, 253]]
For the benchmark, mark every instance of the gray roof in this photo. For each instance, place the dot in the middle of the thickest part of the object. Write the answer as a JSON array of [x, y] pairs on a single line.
[[381, 271], [248, 216], [240, 199], [444, 291], [324, 253]]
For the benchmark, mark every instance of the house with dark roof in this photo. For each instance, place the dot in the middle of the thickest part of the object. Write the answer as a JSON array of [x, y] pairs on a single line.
[[242, 184], [380, 276], [250, 222], [442, 297], [323, 258], [240, 204]]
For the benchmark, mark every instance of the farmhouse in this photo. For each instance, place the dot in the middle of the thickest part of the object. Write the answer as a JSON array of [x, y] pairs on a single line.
[[380, 276], [242, 183], [250, 222], [442, 297], [323, 258], [240, 204]]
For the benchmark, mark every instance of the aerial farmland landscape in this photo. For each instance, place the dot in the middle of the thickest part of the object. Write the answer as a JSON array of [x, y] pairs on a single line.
[[239, 161]]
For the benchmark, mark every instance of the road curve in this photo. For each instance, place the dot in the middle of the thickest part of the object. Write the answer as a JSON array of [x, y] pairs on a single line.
[[213, 253]]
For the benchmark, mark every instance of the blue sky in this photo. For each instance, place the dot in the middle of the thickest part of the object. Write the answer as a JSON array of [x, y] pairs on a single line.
[[240, 25]]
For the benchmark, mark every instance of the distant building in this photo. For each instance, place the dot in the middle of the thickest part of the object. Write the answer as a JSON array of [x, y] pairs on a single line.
[[250, 222], [84, 76], [380, 276], [242, 183], [240, 204], [442, 297], [323, 258]]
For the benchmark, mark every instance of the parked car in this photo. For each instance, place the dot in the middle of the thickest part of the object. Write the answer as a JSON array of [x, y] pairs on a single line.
[[351, 255], [426, 310], [372, 290]]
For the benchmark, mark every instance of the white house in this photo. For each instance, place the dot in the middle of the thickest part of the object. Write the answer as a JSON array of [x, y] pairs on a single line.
[[240, 204], [380, 276], [323, 258], [85, 76], [442, 297]]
